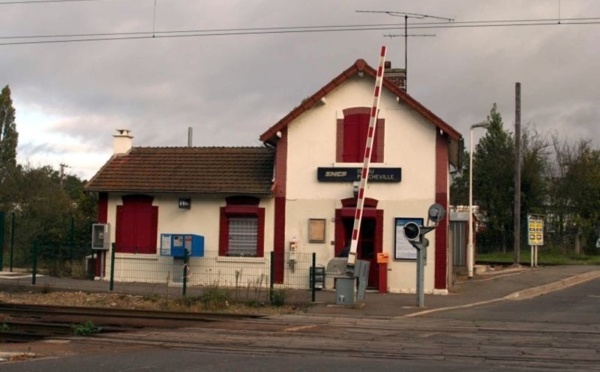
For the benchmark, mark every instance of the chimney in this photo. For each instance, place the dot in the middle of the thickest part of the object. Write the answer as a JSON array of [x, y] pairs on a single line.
[[122, 142], [396, 75]]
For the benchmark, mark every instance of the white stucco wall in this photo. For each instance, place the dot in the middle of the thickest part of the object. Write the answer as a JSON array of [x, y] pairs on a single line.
[[201, 219], [409, 144]]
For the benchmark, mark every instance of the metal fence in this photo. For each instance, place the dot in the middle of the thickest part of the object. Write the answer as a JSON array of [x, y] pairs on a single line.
[[239, 279]]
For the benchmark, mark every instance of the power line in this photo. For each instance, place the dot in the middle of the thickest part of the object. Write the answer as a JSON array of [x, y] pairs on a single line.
[[46, 1], [111, 36]]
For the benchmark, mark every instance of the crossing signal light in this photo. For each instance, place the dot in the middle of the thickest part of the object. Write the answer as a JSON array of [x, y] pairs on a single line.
[[412, 231]]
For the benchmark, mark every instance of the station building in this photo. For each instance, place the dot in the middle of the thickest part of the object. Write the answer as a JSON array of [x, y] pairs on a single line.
[[297, 192]]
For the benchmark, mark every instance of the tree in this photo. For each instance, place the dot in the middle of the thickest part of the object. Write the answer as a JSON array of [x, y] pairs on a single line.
[[493, 182], [575, 194], [535, 171], [8, 149], [459, 189]]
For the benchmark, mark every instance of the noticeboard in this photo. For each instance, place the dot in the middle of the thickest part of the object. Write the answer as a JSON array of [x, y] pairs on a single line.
[[403, 250], [535, 229]]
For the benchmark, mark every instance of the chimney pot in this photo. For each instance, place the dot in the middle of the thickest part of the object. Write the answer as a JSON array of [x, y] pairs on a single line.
[[122, 141], [395, 75]]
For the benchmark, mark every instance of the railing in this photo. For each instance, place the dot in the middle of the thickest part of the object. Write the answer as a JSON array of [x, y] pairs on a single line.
[[240, 279]]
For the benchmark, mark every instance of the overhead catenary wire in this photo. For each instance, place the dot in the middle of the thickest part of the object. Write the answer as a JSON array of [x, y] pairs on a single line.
[[13, 2], [114, 36]]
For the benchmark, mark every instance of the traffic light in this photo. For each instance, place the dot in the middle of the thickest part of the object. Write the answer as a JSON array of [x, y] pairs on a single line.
[[412, 231], [415, 234]]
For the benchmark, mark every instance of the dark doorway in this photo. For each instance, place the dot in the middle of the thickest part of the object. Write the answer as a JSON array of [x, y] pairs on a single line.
[[366, 245]]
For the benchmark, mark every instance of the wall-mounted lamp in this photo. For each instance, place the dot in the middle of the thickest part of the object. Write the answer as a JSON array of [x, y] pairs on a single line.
[[185, 203]]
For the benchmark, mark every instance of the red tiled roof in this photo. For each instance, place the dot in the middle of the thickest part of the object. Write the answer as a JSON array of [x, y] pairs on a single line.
[[206, 170], [360, 66]]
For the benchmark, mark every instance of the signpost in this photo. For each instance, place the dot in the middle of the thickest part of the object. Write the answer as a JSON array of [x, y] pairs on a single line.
[[535, 233]]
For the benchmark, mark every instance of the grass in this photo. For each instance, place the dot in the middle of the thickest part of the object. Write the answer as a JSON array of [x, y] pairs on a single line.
[[545, 257]]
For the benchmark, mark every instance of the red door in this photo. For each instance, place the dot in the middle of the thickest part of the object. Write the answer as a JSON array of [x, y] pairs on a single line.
[[369, 240]]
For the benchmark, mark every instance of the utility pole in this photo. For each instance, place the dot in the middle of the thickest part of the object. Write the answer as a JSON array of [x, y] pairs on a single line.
[[517, 210], [406, 35], [62, 172]]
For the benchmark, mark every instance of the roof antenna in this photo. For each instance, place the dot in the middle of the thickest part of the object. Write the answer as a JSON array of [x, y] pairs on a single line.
[[406, 35]]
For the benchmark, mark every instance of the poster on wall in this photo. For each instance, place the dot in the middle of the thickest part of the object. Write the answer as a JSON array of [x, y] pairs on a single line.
[[403, 250]]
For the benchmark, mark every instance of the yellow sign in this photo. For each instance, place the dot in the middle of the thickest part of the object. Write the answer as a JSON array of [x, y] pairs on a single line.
[[535, 228]]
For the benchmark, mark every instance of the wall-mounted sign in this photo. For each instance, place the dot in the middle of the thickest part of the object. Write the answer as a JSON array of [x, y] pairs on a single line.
[[353, 174], [316, 230], [185, 203]]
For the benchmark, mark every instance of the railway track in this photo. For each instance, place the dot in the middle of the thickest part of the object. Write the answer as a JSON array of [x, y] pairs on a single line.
[[24, 323], [485, 344], [489, 344]]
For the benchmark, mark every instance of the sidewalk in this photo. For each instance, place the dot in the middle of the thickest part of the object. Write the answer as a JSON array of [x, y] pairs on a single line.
[[491, 286]]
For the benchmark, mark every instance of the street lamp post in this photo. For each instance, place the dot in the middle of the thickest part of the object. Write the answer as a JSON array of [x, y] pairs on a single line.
[[470, 252]]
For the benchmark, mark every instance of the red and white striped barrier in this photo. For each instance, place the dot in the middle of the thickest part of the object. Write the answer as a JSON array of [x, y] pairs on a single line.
[[364, 174]]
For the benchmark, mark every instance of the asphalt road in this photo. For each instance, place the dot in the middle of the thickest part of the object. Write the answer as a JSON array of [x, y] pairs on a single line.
[[556, 331], [193, 361], [579, 305]]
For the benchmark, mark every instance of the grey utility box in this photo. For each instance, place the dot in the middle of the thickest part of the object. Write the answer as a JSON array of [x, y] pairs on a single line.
[[346, 291]]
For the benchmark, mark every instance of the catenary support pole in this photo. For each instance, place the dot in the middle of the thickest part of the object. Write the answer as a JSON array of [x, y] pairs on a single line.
[[313, 278], [12, 240], [517, 210], [111, 286], [34, 257]]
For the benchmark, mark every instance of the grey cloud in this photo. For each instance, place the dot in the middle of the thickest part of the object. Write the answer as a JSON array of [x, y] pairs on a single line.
[[232, 88]]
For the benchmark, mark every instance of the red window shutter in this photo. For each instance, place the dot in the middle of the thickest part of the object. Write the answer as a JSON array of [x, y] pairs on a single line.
[[356, 129], [137, 225], [125, 234], [260, 244], [146, 229], [223, 233], [351, 139], [379, 141], [362, 141]]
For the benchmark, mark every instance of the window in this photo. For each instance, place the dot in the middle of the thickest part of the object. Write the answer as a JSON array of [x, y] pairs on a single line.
[[243, 232], [242, 228], [352, 136], [137, 222]]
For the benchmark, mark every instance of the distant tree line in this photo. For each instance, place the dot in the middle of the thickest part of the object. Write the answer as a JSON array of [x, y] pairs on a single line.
[[42, 204], [559, 179]]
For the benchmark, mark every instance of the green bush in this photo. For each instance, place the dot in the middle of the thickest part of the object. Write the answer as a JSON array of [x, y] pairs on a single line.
[[215, 297], [85, 329], [278, 297]]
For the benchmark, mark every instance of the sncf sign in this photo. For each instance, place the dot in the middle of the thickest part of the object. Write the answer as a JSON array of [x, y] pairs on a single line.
[[353, 174]]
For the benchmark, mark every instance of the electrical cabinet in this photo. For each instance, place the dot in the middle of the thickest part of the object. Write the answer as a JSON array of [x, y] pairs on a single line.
[[100, 236], [175, 245]]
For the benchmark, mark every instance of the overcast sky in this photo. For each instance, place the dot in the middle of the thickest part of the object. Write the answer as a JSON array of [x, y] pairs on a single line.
[[70, 97]]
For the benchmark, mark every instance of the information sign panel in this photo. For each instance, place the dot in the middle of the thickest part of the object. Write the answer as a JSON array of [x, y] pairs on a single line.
[[535, 229]]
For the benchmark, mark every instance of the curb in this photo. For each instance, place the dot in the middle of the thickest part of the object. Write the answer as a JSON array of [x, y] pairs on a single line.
[[546, 288]]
